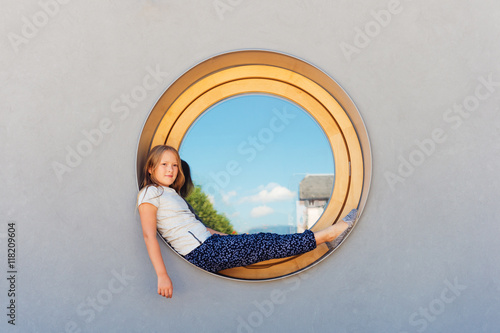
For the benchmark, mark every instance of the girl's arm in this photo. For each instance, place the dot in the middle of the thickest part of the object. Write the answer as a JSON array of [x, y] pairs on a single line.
[[147, 213]]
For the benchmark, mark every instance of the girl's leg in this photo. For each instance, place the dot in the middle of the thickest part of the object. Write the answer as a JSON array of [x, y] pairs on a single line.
[[223, 252]]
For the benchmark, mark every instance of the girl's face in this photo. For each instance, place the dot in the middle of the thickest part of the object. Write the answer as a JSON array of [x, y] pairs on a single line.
[[166, 171]]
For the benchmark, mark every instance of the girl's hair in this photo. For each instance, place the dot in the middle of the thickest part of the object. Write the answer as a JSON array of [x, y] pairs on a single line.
[[152, 162], [188, 182]]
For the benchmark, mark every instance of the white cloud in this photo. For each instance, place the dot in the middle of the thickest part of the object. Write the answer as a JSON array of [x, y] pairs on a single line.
[[226, 197], [270, 193], [211, 198], [261, 211]]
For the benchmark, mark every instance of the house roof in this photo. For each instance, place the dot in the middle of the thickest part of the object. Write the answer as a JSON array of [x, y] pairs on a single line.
[[316, 187]]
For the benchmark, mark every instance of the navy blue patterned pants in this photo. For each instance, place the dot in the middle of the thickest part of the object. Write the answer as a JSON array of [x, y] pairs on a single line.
[[223, 252]]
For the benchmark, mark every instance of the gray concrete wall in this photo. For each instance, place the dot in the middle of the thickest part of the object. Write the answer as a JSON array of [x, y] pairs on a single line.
[[425, 77]]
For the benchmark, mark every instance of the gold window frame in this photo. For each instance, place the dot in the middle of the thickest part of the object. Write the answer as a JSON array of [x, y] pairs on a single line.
[[271, 73]]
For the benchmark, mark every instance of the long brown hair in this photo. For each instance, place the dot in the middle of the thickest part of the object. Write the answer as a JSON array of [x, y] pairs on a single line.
[[188, 186], [152, 162]]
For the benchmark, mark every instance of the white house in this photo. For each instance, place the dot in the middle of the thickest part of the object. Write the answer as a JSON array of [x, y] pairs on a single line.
[[314, 192]]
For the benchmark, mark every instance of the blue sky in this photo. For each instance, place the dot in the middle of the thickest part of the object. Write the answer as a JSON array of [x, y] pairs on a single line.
[[250, 152]]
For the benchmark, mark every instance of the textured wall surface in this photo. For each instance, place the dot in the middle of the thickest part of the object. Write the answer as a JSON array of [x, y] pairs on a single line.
[[425, 76]]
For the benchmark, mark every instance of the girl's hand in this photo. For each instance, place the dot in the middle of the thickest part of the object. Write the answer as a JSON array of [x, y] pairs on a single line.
[[165, 287]]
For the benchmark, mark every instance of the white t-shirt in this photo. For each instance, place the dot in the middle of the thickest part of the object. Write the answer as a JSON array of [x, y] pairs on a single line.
[[174, 220]]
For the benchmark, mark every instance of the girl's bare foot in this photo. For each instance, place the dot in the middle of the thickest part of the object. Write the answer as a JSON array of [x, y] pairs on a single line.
[[332, 232], [329, 234]]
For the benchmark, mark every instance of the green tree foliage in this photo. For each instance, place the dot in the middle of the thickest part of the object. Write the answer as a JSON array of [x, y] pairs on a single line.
[[206, 211]]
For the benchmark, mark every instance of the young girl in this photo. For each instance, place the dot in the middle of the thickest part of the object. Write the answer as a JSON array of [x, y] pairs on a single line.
[[161, 207]]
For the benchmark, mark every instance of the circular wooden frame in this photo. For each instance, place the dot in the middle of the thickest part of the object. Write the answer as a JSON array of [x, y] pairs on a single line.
[[271, 73]]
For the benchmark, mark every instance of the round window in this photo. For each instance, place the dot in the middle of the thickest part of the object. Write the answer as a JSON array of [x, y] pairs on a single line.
[[274, 144]]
